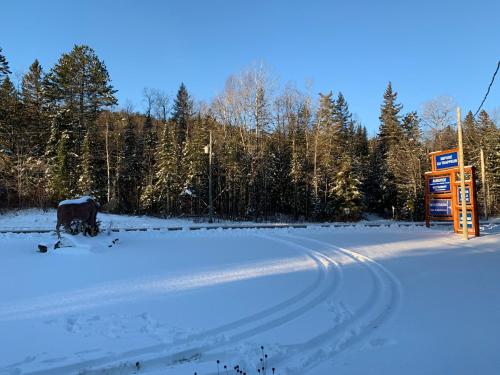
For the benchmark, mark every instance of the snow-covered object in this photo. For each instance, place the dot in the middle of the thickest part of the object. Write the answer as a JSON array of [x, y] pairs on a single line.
[[80, 200], [188, 192]]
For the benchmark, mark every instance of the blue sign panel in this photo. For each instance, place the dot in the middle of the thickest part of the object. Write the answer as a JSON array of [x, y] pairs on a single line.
[[446, 161], [469, 220], [467, 195], [439, 184], [440, 207]]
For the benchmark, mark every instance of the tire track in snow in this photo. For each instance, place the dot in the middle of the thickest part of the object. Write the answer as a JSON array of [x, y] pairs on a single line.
[[387, 291], [381, 303], [265, 320]]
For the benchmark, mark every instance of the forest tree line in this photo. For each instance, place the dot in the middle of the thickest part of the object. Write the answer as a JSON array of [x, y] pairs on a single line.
[[277, 152]]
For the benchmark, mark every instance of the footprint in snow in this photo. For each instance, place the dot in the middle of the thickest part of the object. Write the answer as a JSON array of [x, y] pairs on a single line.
[[380, 341]]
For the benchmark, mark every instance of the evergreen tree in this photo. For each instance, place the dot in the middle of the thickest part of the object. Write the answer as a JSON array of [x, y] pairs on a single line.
[[343, 119], [385, 156], [76, 89], [300, 167], [181, 114], [390, 125], [150, 144], [9, 117], [194, 163], [34, 116], [80, 83], [489, 141], [359, 153], [130, 170], [167, 186], [60, 183], [8, 137], [4, 65], [405, 162], [326, 153], [346, 192], [91, 178], [471, 139], [494, 178], [11, 142]]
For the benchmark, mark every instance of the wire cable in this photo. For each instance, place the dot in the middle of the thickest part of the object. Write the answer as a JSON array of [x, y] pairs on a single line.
[[489, 88]]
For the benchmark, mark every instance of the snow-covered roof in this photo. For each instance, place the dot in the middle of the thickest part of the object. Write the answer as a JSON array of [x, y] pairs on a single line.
[[80, 200]]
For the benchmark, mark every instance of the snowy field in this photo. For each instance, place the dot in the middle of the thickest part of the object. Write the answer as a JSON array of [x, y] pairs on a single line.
[[46, 220], [352, 300]]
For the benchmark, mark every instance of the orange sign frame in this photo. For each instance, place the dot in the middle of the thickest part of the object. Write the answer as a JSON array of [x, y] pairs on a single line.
[[456, 208]]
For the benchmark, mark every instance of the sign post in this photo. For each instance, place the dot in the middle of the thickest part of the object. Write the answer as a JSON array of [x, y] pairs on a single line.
[[484, 186], [208, 150], [465, 228], [445, 196]]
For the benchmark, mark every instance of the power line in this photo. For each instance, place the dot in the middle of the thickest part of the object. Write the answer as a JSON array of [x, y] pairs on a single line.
[[489, 87]]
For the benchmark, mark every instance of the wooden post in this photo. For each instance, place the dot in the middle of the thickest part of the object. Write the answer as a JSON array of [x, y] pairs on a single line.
[[462, 176], [210, 203], [485, 188], [426, 197]]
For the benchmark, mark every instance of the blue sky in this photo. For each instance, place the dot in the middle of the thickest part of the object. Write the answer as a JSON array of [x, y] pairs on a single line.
[[426, 48]]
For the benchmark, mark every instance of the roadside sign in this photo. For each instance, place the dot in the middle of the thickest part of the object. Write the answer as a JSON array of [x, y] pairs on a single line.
[[439, 184], [440, 207], [444, 160], [467, 195], [448, 160], [443, 200], [469, 219]]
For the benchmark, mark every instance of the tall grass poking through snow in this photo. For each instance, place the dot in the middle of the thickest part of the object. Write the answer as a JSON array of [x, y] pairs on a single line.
[[261, 367]]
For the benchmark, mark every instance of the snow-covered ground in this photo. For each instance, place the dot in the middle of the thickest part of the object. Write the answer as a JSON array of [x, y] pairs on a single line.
[[351, 300], [46, 220]]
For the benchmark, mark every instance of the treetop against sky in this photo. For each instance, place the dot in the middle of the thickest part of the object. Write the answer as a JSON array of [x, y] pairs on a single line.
[[425, 48]]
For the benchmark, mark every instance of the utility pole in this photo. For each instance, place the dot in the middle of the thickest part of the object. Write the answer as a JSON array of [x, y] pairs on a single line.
[[485, 187], [462, 176], [210, 202]]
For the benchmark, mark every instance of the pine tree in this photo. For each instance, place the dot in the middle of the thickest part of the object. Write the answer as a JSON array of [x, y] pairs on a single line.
[[343, 120], [194, 163], [385, 155], [181, 114], [9, 117], [76, 90], [12, 139], [150, 144], [359, 153], [167, 186], [471, 140], [327, 152], [405, 162], [9, 137], [34, 116], [390, 125], [4, 65], [130, 170], [488, 140], [60, 183], [346, 192], [91, 180], [300, 166]]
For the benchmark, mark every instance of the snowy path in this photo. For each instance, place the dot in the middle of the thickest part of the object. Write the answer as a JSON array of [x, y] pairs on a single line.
[[318, 300]]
